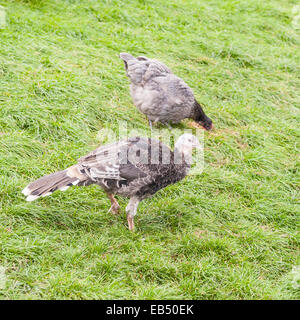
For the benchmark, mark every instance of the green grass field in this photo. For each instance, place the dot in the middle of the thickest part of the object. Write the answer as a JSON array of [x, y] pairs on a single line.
[[231, 233]]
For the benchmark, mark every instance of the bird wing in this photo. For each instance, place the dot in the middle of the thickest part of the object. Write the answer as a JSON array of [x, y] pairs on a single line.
[[177, 90], [155, 69], [115, 161]]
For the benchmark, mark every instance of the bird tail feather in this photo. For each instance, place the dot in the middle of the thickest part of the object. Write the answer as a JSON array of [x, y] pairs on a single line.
[[46, 185], [135, 67], [126, 56]]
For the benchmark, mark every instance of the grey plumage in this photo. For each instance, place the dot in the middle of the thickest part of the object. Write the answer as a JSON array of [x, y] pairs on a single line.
[[161, 95], [136, 168], [48, 184]]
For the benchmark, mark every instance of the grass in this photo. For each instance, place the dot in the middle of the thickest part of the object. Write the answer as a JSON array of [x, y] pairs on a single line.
[[231, 233]]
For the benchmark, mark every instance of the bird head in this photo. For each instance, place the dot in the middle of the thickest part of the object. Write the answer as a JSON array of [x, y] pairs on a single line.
[[187, 142], [206, 123]]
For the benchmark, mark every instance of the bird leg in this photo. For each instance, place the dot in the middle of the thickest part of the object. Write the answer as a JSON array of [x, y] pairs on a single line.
[[131, 210], [167, 123], [115, 207], [150, 124]]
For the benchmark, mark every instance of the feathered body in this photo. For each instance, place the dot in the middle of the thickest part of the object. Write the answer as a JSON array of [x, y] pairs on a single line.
[[136, 168], [160, 94], [126, 168]]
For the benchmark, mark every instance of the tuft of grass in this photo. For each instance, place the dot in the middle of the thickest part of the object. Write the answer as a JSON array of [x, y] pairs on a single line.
[[231, 233]]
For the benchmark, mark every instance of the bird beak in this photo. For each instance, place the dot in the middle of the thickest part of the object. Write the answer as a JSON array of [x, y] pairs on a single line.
[[211, 128]]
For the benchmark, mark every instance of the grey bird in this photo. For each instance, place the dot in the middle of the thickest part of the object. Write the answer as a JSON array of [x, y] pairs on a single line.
[[161, 95], [136, 168]]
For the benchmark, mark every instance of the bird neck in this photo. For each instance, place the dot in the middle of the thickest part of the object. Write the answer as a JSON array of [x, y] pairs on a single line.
[[182, 155], [197, 113]]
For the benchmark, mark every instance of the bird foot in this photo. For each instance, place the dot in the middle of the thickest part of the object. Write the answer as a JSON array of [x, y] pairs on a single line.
[[130, 222], [168, 125], [114, 209]]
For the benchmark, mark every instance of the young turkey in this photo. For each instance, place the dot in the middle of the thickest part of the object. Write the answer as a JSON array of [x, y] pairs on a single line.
[[161, 95], [136, 168]]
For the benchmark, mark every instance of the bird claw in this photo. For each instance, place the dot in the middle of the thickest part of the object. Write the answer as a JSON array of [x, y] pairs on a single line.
[[114, 209], [169, 126], [130, 222]]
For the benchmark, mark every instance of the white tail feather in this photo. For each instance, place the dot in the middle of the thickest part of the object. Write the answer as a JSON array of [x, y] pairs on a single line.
[[26, 191], [31, 198]]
